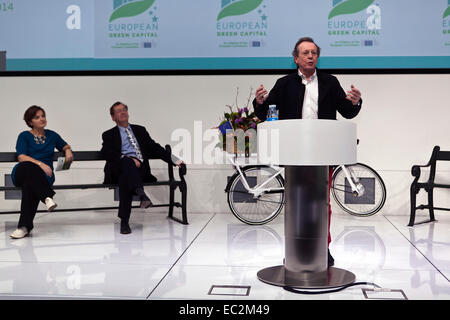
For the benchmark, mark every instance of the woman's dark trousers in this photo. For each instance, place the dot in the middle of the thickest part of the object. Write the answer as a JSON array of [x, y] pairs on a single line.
[[35, 187]]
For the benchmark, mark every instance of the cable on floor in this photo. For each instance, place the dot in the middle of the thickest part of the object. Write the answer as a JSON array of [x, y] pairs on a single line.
[[313, 291]]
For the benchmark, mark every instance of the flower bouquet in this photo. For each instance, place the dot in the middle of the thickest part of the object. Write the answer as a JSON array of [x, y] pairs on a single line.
[[238, 129]]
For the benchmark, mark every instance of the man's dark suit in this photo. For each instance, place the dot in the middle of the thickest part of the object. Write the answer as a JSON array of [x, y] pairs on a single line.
[[122, 170], [289, 91]]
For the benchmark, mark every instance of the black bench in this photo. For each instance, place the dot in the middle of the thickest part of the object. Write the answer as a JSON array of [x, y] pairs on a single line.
[[428, 186], [96, 156]]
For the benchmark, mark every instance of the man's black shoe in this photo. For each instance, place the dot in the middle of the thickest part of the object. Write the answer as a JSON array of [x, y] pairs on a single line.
[[146, 202], [125, 228], [330, 259]]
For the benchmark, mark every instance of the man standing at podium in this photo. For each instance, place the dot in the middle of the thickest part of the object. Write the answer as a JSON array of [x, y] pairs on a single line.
[[309, 94]]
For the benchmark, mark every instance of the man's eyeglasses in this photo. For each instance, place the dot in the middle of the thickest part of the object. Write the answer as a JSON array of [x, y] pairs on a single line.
[[307, 53]]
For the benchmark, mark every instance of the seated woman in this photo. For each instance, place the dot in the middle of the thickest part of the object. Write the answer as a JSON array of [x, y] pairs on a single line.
[[34, 172]]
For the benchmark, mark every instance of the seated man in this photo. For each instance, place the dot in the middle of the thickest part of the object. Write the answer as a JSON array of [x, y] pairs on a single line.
[[127, 148]]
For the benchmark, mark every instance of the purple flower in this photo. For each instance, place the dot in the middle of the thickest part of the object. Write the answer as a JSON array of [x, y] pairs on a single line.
[[245, 109], [253, 125], [238, 120], [239, 111]]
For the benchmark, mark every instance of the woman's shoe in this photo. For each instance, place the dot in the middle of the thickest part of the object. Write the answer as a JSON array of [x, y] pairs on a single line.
[[51, 205], [19, 233]]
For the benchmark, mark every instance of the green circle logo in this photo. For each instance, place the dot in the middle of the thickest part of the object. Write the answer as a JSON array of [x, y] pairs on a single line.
[[348, 7], [124, 8], [237, 8]]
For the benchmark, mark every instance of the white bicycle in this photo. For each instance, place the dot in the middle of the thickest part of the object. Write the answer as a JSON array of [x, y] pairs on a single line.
[[255, 193]]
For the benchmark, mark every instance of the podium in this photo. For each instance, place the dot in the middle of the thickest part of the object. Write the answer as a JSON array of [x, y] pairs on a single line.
[[306, 148]]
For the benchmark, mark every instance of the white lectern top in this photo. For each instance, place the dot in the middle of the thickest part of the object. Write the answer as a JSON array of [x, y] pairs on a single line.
[[307, 142]]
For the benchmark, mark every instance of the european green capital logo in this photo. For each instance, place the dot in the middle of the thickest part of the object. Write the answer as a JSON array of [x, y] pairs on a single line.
[[348, 7], [129, 8], [237, 7], [446, 12]]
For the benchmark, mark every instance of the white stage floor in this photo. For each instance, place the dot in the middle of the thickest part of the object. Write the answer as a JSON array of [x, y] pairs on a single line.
[[82, 255]]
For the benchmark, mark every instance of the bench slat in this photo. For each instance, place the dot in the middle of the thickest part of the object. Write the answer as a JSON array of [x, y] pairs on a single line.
[[432, 185], [77, 155], [443, 155], [98, 185], [8, 157]]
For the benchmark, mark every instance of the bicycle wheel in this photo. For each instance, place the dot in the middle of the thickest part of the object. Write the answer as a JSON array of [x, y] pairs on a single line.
[[256, 210], [365, 204]]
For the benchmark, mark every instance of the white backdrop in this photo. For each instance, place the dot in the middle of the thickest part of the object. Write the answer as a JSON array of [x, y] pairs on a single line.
[[402, 118]]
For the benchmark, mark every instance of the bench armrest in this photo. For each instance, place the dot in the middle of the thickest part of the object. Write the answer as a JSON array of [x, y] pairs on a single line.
[[181, 171], [415, 171]]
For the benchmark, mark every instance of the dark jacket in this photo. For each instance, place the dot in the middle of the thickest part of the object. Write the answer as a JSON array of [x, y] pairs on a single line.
[[112, 152], [289, 91]]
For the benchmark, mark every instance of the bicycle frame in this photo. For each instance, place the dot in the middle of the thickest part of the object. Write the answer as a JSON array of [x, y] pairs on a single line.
[[353, 180], [258, 189], [357, 188]]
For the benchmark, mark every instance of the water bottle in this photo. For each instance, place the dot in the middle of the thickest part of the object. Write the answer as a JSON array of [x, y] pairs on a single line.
[[272, 114], [275, 113]]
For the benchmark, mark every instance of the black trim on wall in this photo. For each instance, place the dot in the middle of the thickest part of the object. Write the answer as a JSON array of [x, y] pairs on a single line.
[[210, 72]]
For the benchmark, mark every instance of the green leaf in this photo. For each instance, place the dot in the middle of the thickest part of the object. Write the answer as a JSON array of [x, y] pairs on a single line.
[[131, 9], [239, 8], [446, 13], [350, 6]]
